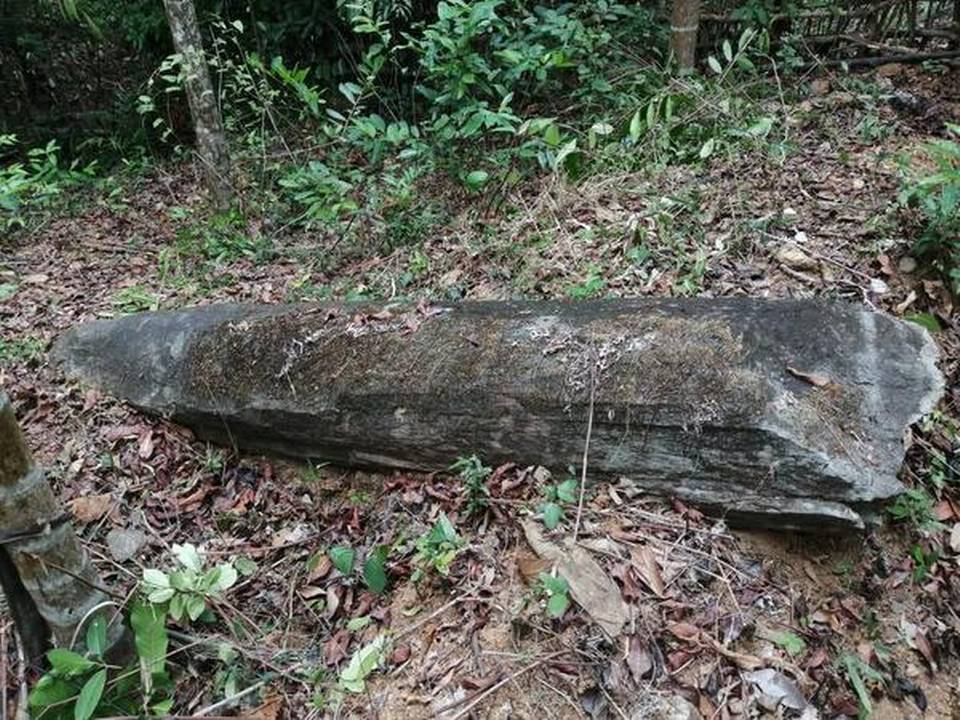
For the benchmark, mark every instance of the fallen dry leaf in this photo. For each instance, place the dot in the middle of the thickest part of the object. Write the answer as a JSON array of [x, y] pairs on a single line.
[[812, 378], [685, 631], [639, 661], [145, 451], [645, 563], [779, 687], [590, 586], [90, 508], [269, 710]]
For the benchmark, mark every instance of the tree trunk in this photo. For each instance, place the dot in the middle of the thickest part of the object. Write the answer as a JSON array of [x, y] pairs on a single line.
[[784, 413], [207, 123], [684, 24], [51, 569]]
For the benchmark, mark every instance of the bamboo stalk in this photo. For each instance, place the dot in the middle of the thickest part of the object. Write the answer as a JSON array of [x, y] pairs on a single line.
[[51, 565], [684, 24]]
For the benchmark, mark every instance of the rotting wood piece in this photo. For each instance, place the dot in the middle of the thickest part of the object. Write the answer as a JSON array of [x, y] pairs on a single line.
[[693, 397]]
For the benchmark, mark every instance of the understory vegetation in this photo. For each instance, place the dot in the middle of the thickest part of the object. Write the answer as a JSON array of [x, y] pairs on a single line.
[[437, 151]]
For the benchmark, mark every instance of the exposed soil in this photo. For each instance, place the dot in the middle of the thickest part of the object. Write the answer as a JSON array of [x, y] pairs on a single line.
[[706, 606]]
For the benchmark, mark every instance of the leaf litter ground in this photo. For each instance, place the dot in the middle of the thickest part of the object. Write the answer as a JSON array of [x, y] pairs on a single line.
[[715, 623]]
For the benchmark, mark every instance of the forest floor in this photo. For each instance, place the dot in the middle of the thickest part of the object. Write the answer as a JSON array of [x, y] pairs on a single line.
[[722, 623]]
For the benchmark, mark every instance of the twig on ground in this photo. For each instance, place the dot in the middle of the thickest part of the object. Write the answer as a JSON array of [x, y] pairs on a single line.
[[474, 700]]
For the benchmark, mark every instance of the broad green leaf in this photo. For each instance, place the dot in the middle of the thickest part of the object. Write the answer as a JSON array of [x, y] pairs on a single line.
[[7, 290], [245, 566], [150, 636], [715, 65], [358, 623], [792, 643], [50, 690], [90, 695], [189, 556], [925, 320], [566, 151], [161, 596], [552, 135], [554, 584], [567, 490], [195, 606], [97, 635], [557, 605], [635, 126], [68, 662], [363, 662], [477, 179], [178, 606], [226, 577], [552, 514], [449, 532], [374, 570], [156, 578], [707, 149], [343, 559], [727, 51]]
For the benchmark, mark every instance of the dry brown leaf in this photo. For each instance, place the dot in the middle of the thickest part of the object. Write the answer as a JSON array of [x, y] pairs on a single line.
[[925, 648], [685, 631], [812, 378], [90, 508], [270, 710], [638, 658], [590, 586], [645, 563], [530, 567], [145, 451], [308, 592]]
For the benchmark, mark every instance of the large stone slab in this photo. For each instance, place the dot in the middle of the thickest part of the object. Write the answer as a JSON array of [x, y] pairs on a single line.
[[784, 413]]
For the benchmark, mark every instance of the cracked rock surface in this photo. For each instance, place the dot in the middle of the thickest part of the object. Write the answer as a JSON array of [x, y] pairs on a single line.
[[779, 413]]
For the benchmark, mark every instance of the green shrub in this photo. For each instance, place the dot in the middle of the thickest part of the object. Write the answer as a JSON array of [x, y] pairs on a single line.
[[35, 182], [932, 187]]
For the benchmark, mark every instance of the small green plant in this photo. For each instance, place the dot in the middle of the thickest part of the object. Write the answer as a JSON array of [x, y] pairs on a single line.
[[436, 549], [188, 590], [35, 182], [551, 511], [223, 237], [84, 685], [932, 186], [859, 673], [322, 193], [557, 591], [591, 287], [792, 643], [344, 559], [134, 299], [24, 350], [915, 506], [474, 475], [923, 560]]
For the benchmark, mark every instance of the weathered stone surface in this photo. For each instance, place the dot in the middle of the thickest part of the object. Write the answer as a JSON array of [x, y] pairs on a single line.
[[787, 413]]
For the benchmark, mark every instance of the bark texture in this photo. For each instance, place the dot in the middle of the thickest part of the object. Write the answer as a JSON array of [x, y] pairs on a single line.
[[45, 556], [784, 413], [684, 26], [207, 123]]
